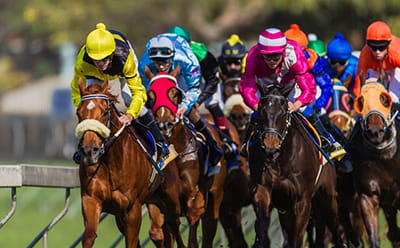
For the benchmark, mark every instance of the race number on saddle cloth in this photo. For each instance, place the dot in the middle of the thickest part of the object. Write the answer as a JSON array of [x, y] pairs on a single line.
[[373, 91]]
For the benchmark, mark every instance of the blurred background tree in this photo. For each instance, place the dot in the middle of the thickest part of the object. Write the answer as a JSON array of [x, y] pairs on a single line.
[[31, 31]]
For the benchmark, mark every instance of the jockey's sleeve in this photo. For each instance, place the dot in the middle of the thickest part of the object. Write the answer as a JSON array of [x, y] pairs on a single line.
[[134, 82], [209, 69]]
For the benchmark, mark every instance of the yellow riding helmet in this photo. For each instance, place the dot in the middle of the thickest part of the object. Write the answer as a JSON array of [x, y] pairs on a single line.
[[100, 43]]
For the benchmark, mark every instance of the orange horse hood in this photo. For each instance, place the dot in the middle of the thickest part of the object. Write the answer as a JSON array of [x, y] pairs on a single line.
[[373, 98]]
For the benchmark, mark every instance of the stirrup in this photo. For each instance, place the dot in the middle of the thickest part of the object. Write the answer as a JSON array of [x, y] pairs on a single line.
[[167, 158]]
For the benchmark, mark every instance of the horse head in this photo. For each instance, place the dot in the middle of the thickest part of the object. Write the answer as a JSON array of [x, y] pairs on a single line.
[[374, 104], [164, 97], [274, 117], [94, 115], [231, 86], [339, 108]]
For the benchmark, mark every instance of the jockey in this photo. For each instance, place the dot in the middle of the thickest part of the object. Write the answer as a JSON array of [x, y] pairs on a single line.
[[211, 93], [323, 80], [108, 55], [163, 54], [232, 59], [343, 65], [382, 50], [317, 45], [276, 56]]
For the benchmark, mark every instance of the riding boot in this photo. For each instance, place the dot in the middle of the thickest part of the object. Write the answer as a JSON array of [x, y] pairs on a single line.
[[163, 149], [78, 154], [250, 129], [215, 151], [230, 147], [329, 144]]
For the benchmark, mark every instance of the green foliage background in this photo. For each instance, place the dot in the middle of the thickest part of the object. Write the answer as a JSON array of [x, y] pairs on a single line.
[[32, 30]]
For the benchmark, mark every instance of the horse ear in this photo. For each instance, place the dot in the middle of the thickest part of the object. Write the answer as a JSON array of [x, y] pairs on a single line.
[[105, 87], [362, 77], [148, 72], [176, 71], [287, 89], [81, 85], [151, 99], [359, 104], [262, 87]]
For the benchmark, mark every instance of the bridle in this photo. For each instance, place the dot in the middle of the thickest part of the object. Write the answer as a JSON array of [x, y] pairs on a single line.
[[103, 131], [281, 133]]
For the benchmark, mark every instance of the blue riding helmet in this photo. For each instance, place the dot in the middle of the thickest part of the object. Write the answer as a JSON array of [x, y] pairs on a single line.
[[161, 48], [339, 48]]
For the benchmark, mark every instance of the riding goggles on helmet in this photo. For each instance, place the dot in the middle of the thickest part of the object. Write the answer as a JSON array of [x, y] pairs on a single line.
[[381, 47], [233, 61], [160, 52], [340, 62]]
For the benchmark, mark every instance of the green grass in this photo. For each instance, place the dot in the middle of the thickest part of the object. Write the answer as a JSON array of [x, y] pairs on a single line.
[[36, 207]]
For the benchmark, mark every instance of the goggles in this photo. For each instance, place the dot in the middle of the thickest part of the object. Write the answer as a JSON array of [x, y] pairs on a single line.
[[378, 47], [233, 61], [160, 52], [273, 57], [338, 62], [108, 58]]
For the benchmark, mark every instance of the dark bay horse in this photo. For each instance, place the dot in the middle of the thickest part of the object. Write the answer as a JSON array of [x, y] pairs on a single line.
[[115, 172], [286, 174], [164, 97], [340, 113], [374, 146]]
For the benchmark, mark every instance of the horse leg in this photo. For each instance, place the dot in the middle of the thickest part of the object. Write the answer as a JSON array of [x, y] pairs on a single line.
[[91, 210], [193, 235], [369, 209], [231, 221], [261, 204], [394, 231], [209, 226], [156, 225], [294, 223], [133, 220]]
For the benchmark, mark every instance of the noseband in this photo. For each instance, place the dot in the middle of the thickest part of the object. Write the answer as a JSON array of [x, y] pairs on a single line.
[[94, 125], [281, 134]]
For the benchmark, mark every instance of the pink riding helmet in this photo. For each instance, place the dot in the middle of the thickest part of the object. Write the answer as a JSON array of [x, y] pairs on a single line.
[[271, 40]]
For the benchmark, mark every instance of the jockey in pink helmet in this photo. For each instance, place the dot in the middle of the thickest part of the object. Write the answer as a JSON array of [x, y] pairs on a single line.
[[275, 56]]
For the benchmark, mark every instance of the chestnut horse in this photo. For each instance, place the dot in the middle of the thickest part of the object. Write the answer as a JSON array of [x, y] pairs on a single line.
[[374, 146], [164, 97], [115, 172], [286, 174]]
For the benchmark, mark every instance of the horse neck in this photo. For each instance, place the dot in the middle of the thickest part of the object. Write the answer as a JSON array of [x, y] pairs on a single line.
[[388, 147]]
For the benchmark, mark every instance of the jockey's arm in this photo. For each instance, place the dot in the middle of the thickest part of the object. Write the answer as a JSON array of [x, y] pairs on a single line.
[[138, 91]]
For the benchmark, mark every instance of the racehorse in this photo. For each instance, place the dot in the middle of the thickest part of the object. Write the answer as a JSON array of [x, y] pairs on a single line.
[[164, 97], [115, 171], [339, 108], [234, 107], [374, 146], [340, 113], [286, 173]]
